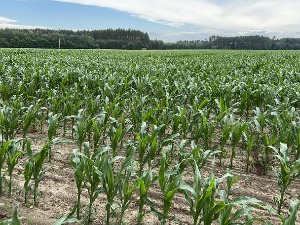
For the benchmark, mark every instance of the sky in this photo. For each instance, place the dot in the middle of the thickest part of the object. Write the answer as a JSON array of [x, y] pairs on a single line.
[[169, 20]]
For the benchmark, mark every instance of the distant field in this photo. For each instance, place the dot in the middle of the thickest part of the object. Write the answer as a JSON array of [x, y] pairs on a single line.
[[150, 137]]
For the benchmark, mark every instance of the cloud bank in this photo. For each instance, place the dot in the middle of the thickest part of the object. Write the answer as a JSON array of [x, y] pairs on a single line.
[[10, 23], [219, 16]]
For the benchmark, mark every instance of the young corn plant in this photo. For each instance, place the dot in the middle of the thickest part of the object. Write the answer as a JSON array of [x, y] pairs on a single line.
[[194, 128], [116, 137], [109, 184], [78, 164], [245, 103], [260, 122], [222, 109], [8, 122], [69, 109], [201, 198], [145, 182], [34, 169], [180, 122], [93, 165], [243, 204], [268, 140], [28, 169], [37, 172], [200, 156], [292, 215], [98, 129], [126, 186], [296, 134], [289, 171], [225, 134], [80, 129], [53, 123], [236, 134], [144, 141], [93, 104], [29, 117], [12, 159], [4, 148], [15, 220], [89, 128], [207, 131], [290, 219], [183, 156], [114, 182], [169, 182], [41, 116], [249, 139]]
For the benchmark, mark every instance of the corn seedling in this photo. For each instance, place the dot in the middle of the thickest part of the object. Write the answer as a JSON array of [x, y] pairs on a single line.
[[289, 171], [236, 134], [268, 140], [116, 136], [200, 156], [126, 186], [144, 141], [98, 129], [207, 131], [15, 220], [67, 112], [249, 139], [296, 132], [145, 182], [243, 204], [29, 116], [290, 219], [201, 198], [78, 164], [80, 129], [53, 123], [225, 134], [38, 173], [8, 122], [109, 183], [4, 148], [169, 182], [33, 169], [12, 159], [67, 218], [93, 175], [28, 169]]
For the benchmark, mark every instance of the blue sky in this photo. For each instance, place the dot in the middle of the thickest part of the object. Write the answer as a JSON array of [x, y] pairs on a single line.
[[170, 20]]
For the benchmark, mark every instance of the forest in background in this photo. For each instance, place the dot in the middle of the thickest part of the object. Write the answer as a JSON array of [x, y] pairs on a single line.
[[132, 39]]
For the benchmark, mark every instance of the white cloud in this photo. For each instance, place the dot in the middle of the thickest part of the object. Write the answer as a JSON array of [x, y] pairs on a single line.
[[4, 20], [10, 23], [230, 16]]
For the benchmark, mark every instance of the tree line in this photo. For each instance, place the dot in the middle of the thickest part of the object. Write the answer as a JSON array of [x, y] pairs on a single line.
[[241, 42], [132, 39], [45, 38]]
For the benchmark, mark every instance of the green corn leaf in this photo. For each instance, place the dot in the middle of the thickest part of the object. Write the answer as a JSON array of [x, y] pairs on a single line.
[[143, 189], [292, 217], [66, 218], [188, 188], [245, 201]]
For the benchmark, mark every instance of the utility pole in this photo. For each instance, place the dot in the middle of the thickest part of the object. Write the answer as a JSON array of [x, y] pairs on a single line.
[[58, 42]]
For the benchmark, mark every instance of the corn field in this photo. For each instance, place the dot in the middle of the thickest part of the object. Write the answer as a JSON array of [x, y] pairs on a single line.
[[149, 137]]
